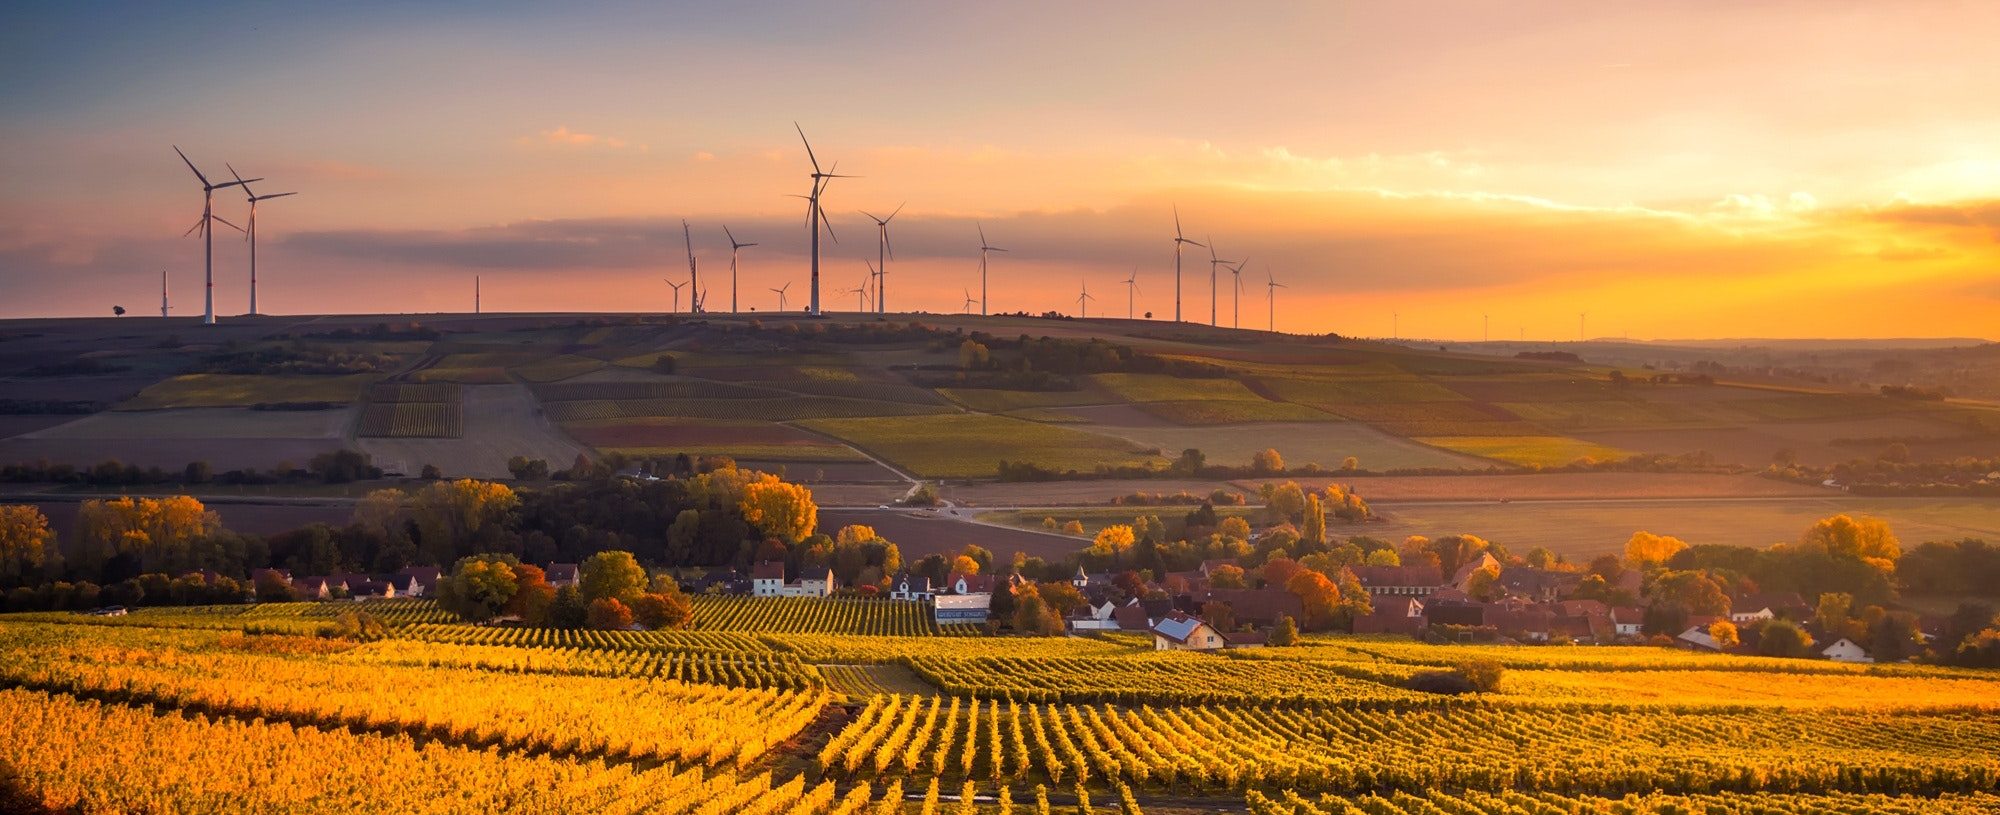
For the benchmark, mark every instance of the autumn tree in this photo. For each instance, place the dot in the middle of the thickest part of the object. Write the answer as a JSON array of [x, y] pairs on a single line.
[[1226, 576], [964, 565], [1313, 531], [27, 546], [1646, 551], [1033, 615], [608, 614], [1783, 638], [1834, 614], [1384, 557], [1267, 461], [1346, 504], [682, 536], [1319, 595], [1113, 542], [479, 586], [452, 515], [1233, 528], [1866, 539], [782, 510], [1279, 571], [157, 534], [1074, 527], [973, 356], [532, 594], [1725, 635], [611, 574], [1219, 615], [1285, 633], [1286, 501], [662, 610], [1690, 591]]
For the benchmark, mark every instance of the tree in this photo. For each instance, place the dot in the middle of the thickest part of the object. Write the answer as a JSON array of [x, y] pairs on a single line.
[[1483, 675], [1482, 582], [270, 587], [1784, 638], [27, 545], [682, 536], [1285, 633], [478, 587], [452, 515], [1894, 637], [1032, 614], [964, 565], [779, 509], [1646, 550], [1981, 650], [1074, 527], [154, 534], [663, 610], [1724, 634], [1866, 539], [1219, 615], [1834, 615], [1692, 592], [196, 472], [1320, 597], [1233, 528], [1190, 462], [1314, 530], [1267, 461], [1287, 501], [1384, 557], [607, 614], [359, 626], [568, 610], [611, 574], [973, 356], [533, 596], [1279, 571], [1226, 576]]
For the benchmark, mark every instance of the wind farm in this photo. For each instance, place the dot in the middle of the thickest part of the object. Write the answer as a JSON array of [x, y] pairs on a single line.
[[1717, 531]]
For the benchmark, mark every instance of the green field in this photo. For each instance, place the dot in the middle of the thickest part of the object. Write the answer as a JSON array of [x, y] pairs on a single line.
[[1324, 443], [233, 390], [1527, 451], [1162, 388], [1225, 412], [972, 445]]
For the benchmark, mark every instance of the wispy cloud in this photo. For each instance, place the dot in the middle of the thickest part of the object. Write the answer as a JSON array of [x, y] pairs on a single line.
[[563, 137]]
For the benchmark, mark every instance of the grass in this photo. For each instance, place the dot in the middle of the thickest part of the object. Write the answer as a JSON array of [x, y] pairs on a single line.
[[972, 445], [1527, 451], [1608, 415], [1372, 390], [992, 400], [557, 368], [1323, 443], [784, 408], [233, 390]]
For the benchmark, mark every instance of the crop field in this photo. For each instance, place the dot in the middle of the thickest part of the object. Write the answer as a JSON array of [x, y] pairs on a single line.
[[499, 422], [413, 420], [677, 388], [1437, 418], [994, 400], [1226, 412], [232, 390], [1160, 388], [973, 445], [1324, 443], [738, 439], [798, 615], [777, 409], [1358, 390], [557, 368], [1527, 451], [201, 423]]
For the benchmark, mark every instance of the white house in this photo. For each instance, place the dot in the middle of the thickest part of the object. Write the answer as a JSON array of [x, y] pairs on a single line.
[[960, 583], [1845, 650], [767, 579], [418, 581], [1096, 618], [819, 585], [1697, 636], [908, 586], [958, 609], [1181, 632], [560, 574], [1627, 620]]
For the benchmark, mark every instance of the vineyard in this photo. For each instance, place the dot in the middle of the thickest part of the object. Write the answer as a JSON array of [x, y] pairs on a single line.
[[413, 411], [800, 615], [1519, 803]]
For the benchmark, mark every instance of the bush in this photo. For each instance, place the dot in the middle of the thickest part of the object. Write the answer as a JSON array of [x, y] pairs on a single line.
[[1482, 674], [359, 626], [1448, 683], [607, 614]]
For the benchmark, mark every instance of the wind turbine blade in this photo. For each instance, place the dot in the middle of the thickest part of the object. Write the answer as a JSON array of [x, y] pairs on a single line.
[[899, 208], [809, 147], [732, 238], [870, 217], [1177, 222], [240, 182], [1194, 243], [982, 233], [190, 164], [226, 222], [271, 196], [197, 225]]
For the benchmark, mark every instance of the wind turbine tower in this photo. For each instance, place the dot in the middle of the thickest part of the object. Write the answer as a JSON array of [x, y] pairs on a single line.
[[1213, 262], [984, 247], [1131, 288], [677, 293], [208, 234], [1236, 299], [1179, 239], [475, 294], [781, 295], [163, 293], [694, 273], [883, 251], [815, 215], [252, 236], [734, 248], [1271, 294], [1083, 302]]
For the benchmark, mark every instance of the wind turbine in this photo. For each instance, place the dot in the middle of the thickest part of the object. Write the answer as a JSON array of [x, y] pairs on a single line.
[[1213, 262], [1131, 287], [1236, 300], [475, 294], [694, 273], [983, 249], [781, 295], [1271, 293], [1178, 240], [873, 278], [163, 293], [208, 234], [968, 301], [734, 247], [677, 292], [815, 214], [252, 236], [860, 296], [1083, 301], [883, 251]]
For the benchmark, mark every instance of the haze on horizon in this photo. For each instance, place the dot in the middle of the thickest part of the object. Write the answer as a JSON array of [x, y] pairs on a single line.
[[1803, 169]]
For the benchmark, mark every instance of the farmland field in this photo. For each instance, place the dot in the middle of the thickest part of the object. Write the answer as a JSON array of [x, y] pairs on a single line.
[[1325, 443], [230, 390], [778, 408], [1218, 412], [739, 439], [500, 422], [972, 445], [1529, 451]]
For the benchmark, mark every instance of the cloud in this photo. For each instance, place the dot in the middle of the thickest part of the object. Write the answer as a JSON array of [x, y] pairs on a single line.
[[563, 137], [1968, 214]]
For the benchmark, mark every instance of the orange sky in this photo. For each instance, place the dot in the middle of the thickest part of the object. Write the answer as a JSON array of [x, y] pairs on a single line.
[[1782, 169]]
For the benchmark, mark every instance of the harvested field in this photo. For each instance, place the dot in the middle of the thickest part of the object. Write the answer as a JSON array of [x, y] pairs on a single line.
[[993, 400], [972, 445], [106, 390], [500, 422], [1437, 418], [557, 368], [1109, 415], [231, 390], [1390, 489], [675, 388], [918, 534], [884, 391], [204, 423], [1585, 529], [1233, 412], [12, 425], [860, 471], [1528, 451], [1815, 443], [1357, 390], [741, 440], [1608, 415], [1324, 443], [1072, 493], [857, 494], [1162, 388], [221, 453]]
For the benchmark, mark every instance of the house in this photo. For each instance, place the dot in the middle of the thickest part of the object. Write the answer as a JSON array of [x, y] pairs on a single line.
[[718, 581], [1246, 639], [1528, 623], [961, 609], [1696, 638], [1096, 616], [1259, 607], [1194, 582], [1455, 612], [1415, 581], [1462, 579], [313, 588], [1846, 650], [959, 583], [1627, 621], [1182, 632], [1754, 607], [283, 576], [1139, 614], [1081, 579], [1392, 615], [817, 585], [560, 574], [1209, 566], [767, 579], [1540, 585], [371, 589], [422, 580], [908, 586]]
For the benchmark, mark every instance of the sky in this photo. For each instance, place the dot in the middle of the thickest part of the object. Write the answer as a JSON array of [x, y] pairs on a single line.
[[1452, 170]]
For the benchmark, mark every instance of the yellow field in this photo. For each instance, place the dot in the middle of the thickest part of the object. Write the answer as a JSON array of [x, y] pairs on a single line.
[[232, 390], [1527, 451]]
